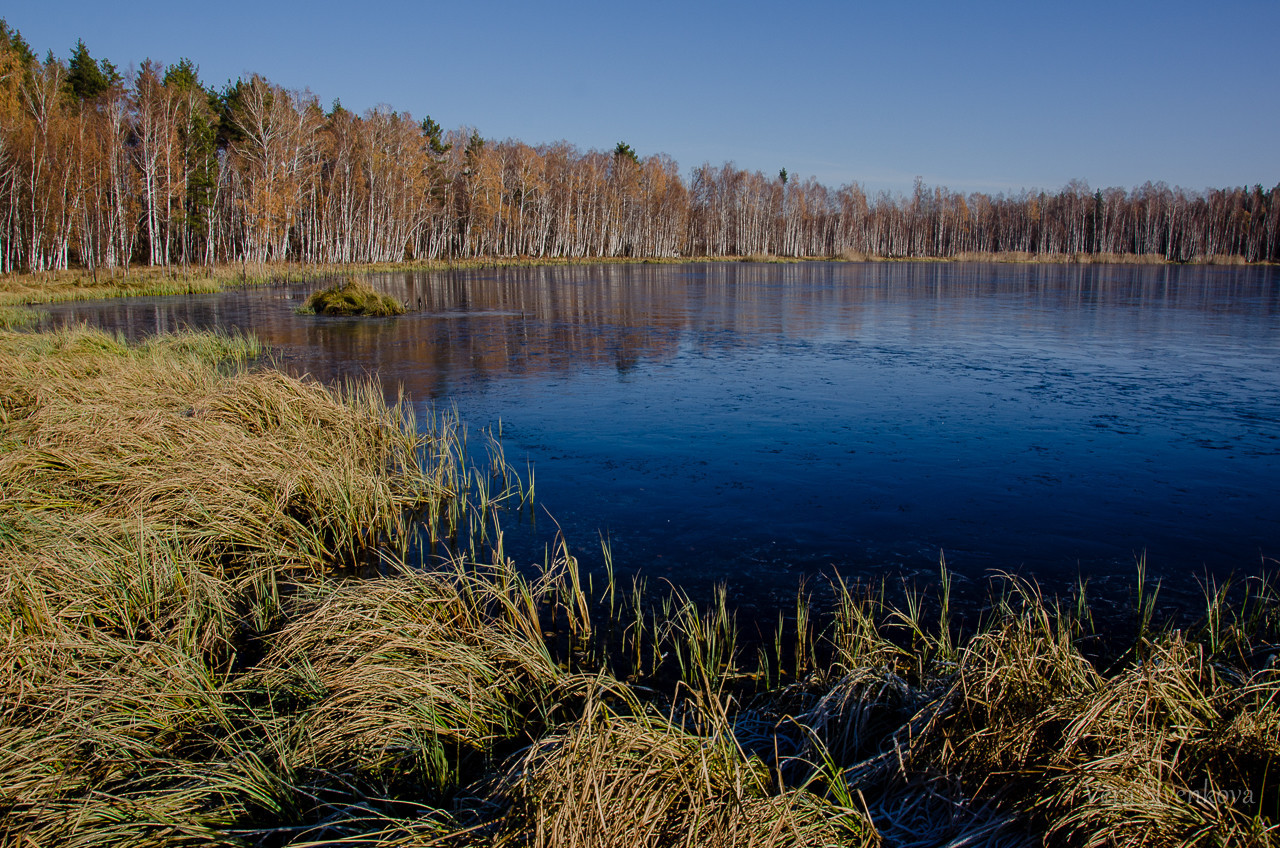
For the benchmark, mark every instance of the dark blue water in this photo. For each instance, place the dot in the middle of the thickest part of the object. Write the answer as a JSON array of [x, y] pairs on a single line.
[[755, 423]]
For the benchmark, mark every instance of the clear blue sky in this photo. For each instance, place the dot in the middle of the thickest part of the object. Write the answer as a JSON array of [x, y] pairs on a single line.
[[988, 96]]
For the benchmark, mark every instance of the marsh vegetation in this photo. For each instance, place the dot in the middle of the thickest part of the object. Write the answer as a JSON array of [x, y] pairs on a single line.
[[219, 628]]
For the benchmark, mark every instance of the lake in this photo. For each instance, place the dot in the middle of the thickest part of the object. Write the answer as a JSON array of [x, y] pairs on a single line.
[[758, 423]]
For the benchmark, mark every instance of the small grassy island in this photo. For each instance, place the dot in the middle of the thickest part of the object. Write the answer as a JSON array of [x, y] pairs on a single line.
[[211, 635], [352, 296]]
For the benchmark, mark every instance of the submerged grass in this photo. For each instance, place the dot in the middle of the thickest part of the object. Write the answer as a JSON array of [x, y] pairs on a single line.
[[188, 656], [17, 317]]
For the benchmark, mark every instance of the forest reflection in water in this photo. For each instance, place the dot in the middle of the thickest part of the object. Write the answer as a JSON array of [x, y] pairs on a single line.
[[756, 422]]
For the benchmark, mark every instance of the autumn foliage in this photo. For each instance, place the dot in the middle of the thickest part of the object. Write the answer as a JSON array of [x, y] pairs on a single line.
[[101, 171]]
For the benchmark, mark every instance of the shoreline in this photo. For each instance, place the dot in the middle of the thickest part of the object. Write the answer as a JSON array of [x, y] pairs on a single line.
[[33, 289]]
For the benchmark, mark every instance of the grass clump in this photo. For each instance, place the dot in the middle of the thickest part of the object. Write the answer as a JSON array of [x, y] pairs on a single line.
[[243, 469], [634, 779], [398, 680], [353, 296], [19, 317], [1034, 721], [1151, 741]]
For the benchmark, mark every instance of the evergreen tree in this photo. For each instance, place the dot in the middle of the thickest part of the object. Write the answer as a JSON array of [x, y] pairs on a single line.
[[197, 136], [12, 41], [229, 104], [434, 135], [475, 145], [182, 77], [625, 151], [437, 150], [86, 79]]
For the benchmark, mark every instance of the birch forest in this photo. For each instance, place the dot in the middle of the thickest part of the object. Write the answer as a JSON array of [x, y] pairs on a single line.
[[100, 169]]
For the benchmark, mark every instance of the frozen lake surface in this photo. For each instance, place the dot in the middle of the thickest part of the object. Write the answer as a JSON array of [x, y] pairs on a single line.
[[755, 423]]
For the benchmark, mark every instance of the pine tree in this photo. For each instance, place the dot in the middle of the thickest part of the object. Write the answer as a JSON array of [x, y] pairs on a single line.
[[625, 151], [183, 76], [86, 79], [12, 41], [197, 136], [437, 150], [434, 135]]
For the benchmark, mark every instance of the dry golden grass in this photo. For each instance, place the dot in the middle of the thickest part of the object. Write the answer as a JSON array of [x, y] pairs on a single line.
[[1173, 750], [1221, 259], [18, 317], [1071, 258], [1166, 745], [56, 286], [246, 469], [399, 678], [637, 780], [158, 505], [17, 289]]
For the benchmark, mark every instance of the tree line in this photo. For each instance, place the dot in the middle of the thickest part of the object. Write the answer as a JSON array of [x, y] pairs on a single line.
[[101, 170]]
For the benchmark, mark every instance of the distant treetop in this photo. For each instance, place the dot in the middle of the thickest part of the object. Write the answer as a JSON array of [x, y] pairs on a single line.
[[86, 79], [624, 151]]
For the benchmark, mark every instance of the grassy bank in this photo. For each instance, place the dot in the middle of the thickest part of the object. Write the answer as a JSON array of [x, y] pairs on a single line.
[[211, 636], [60, 286]]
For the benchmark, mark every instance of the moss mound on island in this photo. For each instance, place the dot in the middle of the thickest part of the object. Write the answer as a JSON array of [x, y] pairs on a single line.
[[352, 297]]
